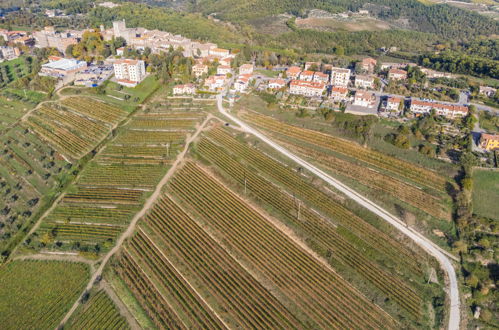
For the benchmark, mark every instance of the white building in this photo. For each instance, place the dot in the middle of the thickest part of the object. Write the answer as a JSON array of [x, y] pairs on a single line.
[[339, 94], [214, 83], [129, 72], [364, 99], [246, 69], [364, 81], [199, 69], [219, 52], [242, 82], [224, 69], [321, 77], [59, 67], [442, 109], [340, 77], [307, 75], [187, 89], [397, 74], [393, 104], [277, 83], [306, 88], [9, 53]]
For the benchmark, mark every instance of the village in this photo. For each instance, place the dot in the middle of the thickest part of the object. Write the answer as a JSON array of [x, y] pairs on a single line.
[[359, 90]]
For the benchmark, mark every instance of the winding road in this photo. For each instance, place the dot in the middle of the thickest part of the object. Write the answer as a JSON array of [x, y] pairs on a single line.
[[442, 256]]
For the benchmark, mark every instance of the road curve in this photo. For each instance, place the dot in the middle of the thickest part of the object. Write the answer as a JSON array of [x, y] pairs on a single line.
[[423, 242]]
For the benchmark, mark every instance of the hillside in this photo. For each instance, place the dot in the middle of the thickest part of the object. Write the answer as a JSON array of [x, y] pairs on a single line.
[[443, 20]]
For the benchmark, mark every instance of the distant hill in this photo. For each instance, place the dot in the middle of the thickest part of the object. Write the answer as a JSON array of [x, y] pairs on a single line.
[[440, 19]]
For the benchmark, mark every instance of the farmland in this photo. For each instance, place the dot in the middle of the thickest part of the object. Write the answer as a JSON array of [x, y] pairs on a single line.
[[114, 185], [76, 127], [99, 312], [36, 294], [420, 188], [486, 193], [301, 279]]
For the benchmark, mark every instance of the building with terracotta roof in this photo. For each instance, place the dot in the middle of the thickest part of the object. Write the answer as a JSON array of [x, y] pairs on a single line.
[[293, 72], [313, 66], [397, 74], [340, 77], [321, 77], [393, 104], [219, 52], [277, 83], [441, 109], [246, 69], [364, 81], [224, 69], [307, 88], [129, 72], [364, 99], [307, 75], [242, 82], [369, 64], [184, 89], [339, 94], [489, 142], [199, 69]]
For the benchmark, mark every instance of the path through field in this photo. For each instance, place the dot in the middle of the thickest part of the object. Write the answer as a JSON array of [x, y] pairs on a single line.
[[442, 256], [131, 227]]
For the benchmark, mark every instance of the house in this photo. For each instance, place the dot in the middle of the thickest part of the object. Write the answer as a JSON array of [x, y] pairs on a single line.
[[321, 77], [340, 77], [242, 82], [364, 99], [368, 64], [487, 91], [219, 52], [61, 67], [307, 76], [313, 66], [397, 74], [432, 74], [120, 51], [128, 72], [224, 69], [307, 88], [246, 69], [293, 72], [9, 53], [184, 89], [339, 94], [489, 142], [442, 109], [364, 81], [392, 104], [199, 69], [277, 83], [214, 83], [225, 61]]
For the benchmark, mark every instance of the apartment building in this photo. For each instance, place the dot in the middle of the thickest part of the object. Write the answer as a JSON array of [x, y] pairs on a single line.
[[340, 77], [339, 94], [307, 88], [442, 109], [397, 74], [364, 81], [129, 72], [293, 72], [364, 99], [321, 77]]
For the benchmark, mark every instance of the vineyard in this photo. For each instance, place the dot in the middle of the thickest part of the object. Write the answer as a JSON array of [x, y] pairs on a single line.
[[37, 294], [77, 127], [114, 185], [319, 232], [354, 228], [313, 288], [414, 173], [401, 190], [99, 312]]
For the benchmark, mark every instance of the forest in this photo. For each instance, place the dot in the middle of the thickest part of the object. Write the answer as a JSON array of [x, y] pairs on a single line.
[[443, 20]]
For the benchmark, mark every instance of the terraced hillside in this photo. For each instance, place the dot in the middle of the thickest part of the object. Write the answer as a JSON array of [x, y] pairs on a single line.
[[114, 186]]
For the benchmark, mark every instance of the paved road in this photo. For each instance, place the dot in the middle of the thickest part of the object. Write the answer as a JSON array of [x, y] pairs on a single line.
[[423, 242]]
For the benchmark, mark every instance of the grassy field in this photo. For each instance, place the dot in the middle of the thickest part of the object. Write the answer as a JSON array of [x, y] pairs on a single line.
[[486, 193], [37, 294]]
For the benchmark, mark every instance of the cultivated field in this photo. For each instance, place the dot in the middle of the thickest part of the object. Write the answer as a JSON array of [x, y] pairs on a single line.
[[99, 312], [115, 184], [76, 127], [421, 188], [37, 294]]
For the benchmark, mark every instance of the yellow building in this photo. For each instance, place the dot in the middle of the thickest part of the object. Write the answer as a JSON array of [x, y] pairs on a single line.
[[489, 142]]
